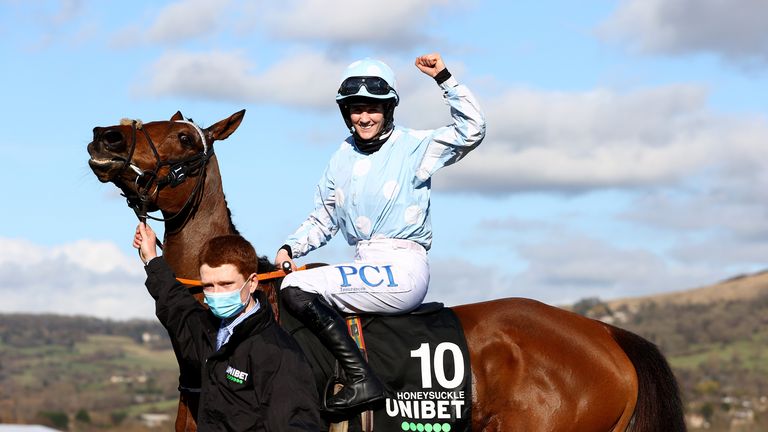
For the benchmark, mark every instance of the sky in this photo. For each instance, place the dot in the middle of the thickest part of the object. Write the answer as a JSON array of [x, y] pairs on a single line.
[[624, 155]]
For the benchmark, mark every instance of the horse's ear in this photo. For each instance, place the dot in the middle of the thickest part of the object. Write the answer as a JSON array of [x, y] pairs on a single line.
[[177, 116], [224, 128]]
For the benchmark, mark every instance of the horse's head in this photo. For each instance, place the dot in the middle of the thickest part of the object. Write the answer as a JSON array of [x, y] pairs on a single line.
[[150, 162]]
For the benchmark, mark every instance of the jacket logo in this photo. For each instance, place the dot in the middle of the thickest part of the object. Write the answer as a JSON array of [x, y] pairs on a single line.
[[235, 375]]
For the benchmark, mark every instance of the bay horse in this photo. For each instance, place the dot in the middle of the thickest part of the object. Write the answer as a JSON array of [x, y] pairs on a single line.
[[534, 367]]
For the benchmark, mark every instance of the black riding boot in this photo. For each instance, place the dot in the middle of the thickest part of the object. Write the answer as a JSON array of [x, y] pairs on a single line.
[[361, 385]]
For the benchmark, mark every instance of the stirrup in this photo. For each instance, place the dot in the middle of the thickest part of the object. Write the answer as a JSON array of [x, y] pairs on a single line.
[[335, 385], [332, 386]]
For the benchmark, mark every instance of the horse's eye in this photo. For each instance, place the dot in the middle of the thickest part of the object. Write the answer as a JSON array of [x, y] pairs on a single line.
[[185, 140]]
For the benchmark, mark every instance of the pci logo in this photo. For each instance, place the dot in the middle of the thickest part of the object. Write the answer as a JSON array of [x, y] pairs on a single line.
[[236, 376]]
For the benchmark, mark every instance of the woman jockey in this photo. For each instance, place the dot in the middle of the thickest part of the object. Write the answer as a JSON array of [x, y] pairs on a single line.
[[376, 191]]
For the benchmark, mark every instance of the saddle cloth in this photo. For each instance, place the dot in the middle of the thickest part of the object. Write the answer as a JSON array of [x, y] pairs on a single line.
[[421, 358]]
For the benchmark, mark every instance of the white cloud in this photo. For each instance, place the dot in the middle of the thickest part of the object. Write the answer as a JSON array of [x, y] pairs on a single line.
[[61, 22], [734, 31], [80, 278], [573, 266], [457, 281], [716, 210], [396, 23], [186, 19], [231, 76], [176, 22], [341, 24], [69, 10], [722, 226], [566, 142]]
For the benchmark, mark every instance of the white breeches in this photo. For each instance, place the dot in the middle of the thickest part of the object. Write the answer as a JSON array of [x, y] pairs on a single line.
[[388, 276]]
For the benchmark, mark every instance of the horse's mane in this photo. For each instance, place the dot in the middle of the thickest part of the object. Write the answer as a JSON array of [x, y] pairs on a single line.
[[265, 265], [232, 227], [128, 122]]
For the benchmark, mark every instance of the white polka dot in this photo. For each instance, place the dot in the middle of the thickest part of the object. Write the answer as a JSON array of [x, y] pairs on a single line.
[[361, 167], [363, 224], [340, 197], [390, 189], [412, 214]]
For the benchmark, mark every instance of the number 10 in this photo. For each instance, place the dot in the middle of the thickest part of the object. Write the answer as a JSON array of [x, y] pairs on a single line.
[[426, 371]]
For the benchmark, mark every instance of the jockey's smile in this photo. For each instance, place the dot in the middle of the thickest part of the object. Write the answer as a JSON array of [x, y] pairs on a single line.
[[368, 119]]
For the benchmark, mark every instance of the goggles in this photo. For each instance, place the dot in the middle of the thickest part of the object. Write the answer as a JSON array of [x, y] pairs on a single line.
[[375, 86]]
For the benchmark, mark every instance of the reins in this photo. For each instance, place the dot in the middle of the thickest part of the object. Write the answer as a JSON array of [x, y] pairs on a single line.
[[260, 276]]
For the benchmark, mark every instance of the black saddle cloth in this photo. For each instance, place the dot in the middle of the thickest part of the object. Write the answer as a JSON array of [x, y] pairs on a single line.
[[421, 357]]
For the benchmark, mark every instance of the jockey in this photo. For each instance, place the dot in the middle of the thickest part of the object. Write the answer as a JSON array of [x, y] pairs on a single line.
[[376, 191]]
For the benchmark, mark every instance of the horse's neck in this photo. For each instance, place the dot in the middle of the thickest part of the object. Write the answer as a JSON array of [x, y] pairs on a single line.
[[210, 219]]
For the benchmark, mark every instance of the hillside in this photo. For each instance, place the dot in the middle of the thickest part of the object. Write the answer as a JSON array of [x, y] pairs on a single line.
[[739, 288], [81, 373]]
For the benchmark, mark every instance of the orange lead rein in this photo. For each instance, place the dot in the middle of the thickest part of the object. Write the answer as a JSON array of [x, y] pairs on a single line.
[[260, 276]]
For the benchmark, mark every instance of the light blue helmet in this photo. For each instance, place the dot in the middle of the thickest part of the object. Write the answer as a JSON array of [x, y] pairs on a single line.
[[368, 78]]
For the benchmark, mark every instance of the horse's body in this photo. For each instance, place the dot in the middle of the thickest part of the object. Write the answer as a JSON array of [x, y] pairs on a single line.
[[534, 367]]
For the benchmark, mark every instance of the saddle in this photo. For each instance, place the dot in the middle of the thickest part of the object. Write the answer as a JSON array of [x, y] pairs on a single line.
[[422, 359]]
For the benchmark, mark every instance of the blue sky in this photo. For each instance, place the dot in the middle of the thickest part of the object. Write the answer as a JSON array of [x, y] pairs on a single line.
[[625, 153]]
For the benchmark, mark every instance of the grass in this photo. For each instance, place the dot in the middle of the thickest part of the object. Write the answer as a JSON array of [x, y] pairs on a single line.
[[123, 352], [752, 354]]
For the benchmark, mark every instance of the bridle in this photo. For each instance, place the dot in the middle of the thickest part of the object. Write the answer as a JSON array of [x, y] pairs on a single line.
[[149, 184]]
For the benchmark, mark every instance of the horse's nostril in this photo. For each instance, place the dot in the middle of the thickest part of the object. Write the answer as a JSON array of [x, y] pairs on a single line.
[[113, 140]]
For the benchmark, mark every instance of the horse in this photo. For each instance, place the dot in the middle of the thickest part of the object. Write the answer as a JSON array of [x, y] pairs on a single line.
[[534, 367]]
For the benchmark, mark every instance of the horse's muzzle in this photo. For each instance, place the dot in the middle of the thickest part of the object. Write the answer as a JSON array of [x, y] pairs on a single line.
[[109, 140], [108, 153]]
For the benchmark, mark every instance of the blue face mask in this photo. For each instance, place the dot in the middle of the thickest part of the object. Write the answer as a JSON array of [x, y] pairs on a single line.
[[227, 304]]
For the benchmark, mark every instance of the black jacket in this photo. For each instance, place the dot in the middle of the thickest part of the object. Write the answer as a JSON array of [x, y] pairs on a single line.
[[258, 381]]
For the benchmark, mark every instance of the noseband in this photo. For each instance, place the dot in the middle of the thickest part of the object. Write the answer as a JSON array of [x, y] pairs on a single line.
[[149, 184]]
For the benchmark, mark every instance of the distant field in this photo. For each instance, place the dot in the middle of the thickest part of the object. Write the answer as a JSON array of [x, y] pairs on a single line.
[[128, 353], [751, 354], [98, 358]]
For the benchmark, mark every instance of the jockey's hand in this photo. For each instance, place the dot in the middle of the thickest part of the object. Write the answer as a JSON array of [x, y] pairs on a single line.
[[282, 256], [145, 240], [430, 64]]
